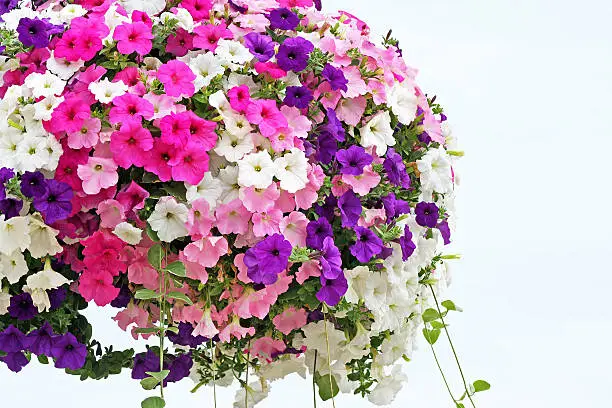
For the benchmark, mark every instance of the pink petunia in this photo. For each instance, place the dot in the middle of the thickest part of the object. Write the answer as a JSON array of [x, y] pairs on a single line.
[[208, 36], [240, 98], [199, 9], [257, 199], [307, 270], [69, 116], [87, 136], [206, 326], [134, 37], [267, 223], [97, 285], [180, 43], [132, 197], [265, 113], [206, 251], [132, 315], [350, 111], [289, 320], [177, 78], [271, 69], [130, 107], [111, 213], [267, 348], [200, 219], [232, 218], [190, 164], [159, 158], [234, 329], [363, 183], [293, 228], [140, 271], [339, 187], [130, 144], [305, 197], [97, 174]]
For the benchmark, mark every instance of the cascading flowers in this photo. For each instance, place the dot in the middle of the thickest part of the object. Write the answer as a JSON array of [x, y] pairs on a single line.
[[254, 182]]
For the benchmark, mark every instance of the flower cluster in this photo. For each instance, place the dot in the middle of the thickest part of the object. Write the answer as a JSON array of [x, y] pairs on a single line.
[[254, 181]]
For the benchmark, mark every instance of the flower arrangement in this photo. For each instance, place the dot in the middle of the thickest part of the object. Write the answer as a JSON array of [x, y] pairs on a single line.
[[253, 182]]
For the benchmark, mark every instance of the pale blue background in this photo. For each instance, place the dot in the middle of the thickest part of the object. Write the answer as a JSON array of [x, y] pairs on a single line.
[[527, 85]]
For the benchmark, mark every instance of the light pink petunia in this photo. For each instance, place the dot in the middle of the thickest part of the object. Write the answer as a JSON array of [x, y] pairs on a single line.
[[259, 199], [97, 174], [293, 228], [267, 223], [232, 218], [363, 183], [289, 320], [206, 251]]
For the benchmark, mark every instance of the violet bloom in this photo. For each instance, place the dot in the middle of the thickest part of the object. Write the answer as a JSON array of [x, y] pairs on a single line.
[[294, 53], [298, 96], [327, 147], [15, 361], [444, 231], [328, 209], [318, 5], [185, 336], [335, 77], [394, 207], [427, 214], [353, 160], [179, 368], [123, 298], [350, 209], [368, 244], [334, 126], [396, 169], [283, 19], [6, 6], [238, 8], [33, 184], [56, 297], [33, 32], [12, 340], [68, 352], [261, 46], [56, 204], [143, 363], [42, 340], [317, 231], [10, 207], [406, 243], [5, 173], [332, 290], [21, 307], [331, 261], [267, 259]]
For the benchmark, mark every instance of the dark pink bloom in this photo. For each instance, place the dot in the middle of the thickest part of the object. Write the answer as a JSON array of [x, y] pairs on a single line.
[[265, 113], [97, 285], [177, 78], [208, 35], [133, 37], [130, 107], [69, 116], [175, 128], [271, 69], [202, 131], [130, 144], [159, 157], [190, 164], [180, 43], [198, 9], [240, 98]]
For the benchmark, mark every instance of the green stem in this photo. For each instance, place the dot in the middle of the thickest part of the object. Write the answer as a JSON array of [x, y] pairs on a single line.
[[162, 332], [465, 386], [331, 384], [314, 370]]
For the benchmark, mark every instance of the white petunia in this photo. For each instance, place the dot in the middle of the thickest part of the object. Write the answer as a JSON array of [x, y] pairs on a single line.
[[206, 67], [210, 188], [181, 16], [54, 151], [256, 169], [315, 338], [151, 7], [398, 344], [256, 392], [219, 101], [63, 68], [105, 91], [387, 388], [14, 234], [13, 17], [229, 183], [5, 301], [291, 170], [233, 52], [168, 219], [436, 172], [235, 124], [357, 279], [378, 132], [31, 153], [13, 266], [128, 233], [38, 284], [9, 141], [44, 108], [45, 84], [233, 147], [403, 102], [376, 289], [43, 239], [72, 11]]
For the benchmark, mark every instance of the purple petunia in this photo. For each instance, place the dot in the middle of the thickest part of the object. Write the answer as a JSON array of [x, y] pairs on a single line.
[[427, 214], [179, 368], [12, 340], [317, 231], [332, 290], [328, 209], [42, 340], [445, 231], [298, 96], [353, 160], [335, 77], [293, 54], [396, 169], [283, 19], [368, 244], [33, 184], [15, 361], [406, 243], [185, 336], [261, 46], [143, 363], [327, 146], [331, 261], [33, 32], [334, 126], [394, 207], [56, 204], [6, 174], [350, 209], [123, 298], [10, 207], [21, 307], [57, 297], [6, 6], [68, 352], [267, 259]]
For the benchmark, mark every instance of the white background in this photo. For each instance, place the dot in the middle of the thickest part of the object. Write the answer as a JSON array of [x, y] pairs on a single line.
[[526, 84]]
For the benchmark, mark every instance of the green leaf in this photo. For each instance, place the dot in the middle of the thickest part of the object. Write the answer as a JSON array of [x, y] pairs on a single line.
[[328, 387], [177, 268], [430, 315], [437, 325], [153, 402], [460, 405], [145, 294], [42, 359], [172, 329], [431, 335], [481, 385], [450, 305], [146, 330], [155, 255], [179, 296], [152, 234], [159, 375], [149, 383]]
